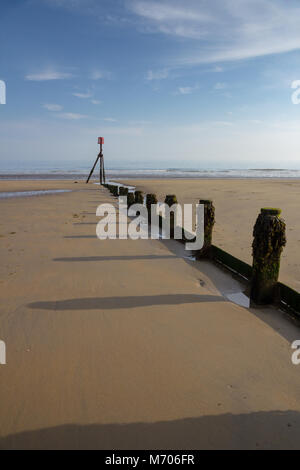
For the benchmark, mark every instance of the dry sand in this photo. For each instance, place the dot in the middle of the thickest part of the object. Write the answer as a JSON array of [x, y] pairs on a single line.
[[237, 203], [125, 344]]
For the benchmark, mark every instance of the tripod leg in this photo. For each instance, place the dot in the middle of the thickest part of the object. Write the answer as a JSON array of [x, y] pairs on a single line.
[[104, 171], [92, 170], [101, 171]]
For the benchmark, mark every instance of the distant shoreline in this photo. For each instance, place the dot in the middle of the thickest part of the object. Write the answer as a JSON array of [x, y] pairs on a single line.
[[190, 174]]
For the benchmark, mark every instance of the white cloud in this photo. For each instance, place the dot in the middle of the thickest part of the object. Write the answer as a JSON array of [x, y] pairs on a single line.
[[71, 116], [157, 75], [47, 75], [140, 122], [256, 121], [173, 18], [71, 4], [96, 75], [83, 96], [218, 30], [186, 90], [217, 69], [223, 30], [164, 11], [100, 75], [52, 107], [220, 86], [96, 101], [109, 119]]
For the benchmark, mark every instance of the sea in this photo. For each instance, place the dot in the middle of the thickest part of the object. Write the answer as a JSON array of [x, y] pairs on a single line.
[[169, 173]]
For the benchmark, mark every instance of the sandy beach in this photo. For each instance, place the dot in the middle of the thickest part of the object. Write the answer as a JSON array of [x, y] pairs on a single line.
[[123, 344], [238, 203]]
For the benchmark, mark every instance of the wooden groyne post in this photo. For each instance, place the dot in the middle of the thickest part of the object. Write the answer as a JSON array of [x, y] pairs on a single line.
[[123, 191], [150, 199], [130, 200], [269, 239], [138, 197], [170, 200], [113, 189], [209, 222]]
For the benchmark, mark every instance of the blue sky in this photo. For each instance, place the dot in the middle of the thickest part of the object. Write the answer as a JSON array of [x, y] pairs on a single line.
[[168, 83]]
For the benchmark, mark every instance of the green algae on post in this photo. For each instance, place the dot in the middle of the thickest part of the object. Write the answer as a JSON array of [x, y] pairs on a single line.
[[123, 191], [209, 222], [114, 191], [150, 200], [170, 200], [138, 197], [269, 240], [130, 200]]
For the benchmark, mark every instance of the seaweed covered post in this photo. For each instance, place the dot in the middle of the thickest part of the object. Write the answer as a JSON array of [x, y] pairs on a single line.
[[170, 200], [123, 191], [130, 200], [269, 240], [209, 222], [138, 197], [150, 200], [114, 190]]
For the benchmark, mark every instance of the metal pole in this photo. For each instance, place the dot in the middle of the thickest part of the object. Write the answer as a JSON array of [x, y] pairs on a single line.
[[101, 165], [92, 170], [104, 172], [101, 169]]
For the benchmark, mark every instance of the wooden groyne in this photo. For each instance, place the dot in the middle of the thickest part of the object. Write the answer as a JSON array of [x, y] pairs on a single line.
[[269, 239]]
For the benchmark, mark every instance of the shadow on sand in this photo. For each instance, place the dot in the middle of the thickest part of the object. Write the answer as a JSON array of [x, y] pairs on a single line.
[[115, 258], [110, 303], [272, 316], [82, 236], [260, 430]]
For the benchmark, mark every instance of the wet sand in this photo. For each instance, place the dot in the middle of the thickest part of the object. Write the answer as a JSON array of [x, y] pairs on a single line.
[[123, 344], [237, 203]]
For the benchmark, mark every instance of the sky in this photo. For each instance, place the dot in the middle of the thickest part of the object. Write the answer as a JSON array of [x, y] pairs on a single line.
[[168, 83]]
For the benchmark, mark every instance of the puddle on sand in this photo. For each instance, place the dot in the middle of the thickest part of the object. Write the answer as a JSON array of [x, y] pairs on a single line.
[[239, 298], [6, 195], [190, 258]]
